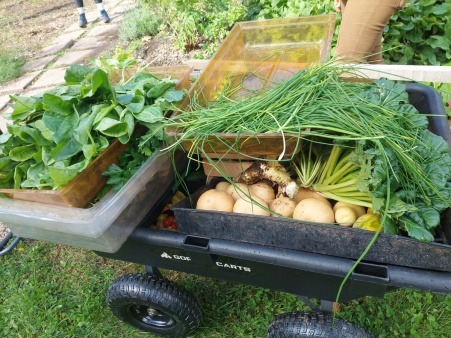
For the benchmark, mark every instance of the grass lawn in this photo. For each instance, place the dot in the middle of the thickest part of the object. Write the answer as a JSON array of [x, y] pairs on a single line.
[[53, 291]]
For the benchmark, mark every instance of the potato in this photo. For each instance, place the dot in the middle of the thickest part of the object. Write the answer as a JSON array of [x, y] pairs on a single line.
[[217, 200], [249, 206], [224, 185], [282, 206], [358, 209], [238, 190], [345, 216], [263, 190], [314, 210], [304, 193]]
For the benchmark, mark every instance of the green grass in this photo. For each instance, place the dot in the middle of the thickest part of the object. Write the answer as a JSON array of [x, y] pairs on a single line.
[[49, 290], [11, 63]]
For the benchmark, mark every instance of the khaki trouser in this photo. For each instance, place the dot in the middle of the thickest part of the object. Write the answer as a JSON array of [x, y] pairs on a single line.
[[362, 25]]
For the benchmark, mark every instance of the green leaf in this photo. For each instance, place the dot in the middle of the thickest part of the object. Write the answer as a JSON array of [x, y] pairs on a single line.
[[159, 89], [150, 114], [38, 177], [57, 105], [436, 41], [23, 107], [137, 103], [62, 126], [28, 134], [45, 131], [22, 153], [66, 149], [61, 175], [76, 74], [415, 230], [174, 95], [130, 121], [111, 127]]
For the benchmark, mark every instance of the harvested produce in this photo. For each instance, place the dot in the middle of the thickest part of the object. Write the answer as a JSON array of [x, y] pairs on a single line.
[[238, 190], [217, 200], [272, 171], [345, 216], [362, 142], [223, 185], [252, 205], [262, 190], [369, 222], [314, 210], [304, 193], [55, 135], [359, 210], [282, 206]]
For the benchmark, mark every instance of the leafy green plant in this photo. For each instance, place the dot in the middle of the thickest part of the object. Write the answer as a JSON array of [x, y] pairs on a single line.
[[420, 34], [56, 135]]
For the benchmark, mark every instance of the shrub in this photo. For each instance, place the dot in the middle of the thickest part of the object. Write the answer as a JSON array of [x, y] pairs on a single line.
[[420, 34], [143, 20]]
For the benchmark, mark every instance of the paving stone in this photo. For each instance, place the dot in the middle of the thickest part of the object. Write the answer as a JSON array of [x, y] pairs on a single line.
[[67, 37], [102, 30], [89, 42], [50, 77], [4, 99], [75, 57], [18, 85], [55, 48], [38, 64]]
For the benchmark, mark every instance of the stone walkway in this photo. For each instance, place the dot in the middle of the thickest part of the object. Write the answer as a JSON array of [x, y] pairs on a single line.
[[74, 45]]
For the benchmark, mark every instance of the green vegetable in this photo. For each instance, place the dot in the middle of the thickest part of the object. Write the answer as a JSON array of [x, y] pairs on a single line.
[[56, 135], [403, 167]]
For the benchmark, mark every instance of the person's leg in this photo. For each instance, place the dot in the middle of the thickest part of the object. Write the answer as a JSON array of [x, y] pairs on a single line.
[[361, 28], [82, 22], [102, 11]]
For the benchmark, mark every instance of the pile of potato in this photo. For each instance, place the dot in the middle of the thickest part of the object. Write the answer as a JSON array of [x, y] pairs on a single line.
[[260, 199]]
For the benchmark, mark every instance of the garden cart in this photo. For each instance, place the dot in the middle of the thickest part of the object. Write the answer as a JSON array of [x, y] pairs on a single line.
[[300, 258], [246, 250]]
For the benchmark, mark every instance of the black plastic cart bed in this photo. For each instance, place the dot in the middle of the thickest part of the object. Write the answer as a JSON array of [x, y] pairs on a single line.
[[243, 249]]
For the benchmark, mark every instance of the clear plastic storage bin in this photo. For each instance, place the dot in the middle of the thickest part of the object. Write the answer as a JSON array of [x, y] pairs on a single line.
[[107, 224]]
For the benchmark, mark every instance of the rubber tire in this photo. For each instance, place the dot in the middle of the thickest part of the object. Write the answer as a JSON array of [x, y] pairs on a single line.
[[131, 296], [313, 324]]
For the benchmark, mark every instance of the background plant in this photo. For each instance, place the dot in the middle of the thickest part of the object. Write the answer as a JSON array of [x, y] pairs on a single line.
[[143, 20], [11, 63]]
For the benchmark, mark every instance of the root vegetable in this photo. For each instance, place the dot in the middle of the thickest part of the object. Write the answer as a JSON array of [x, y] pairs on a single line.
[[314, 210], [273, 171], [304, 193], [238, 190], [358, 209], [369, 222], [217, 200], [262, 190], [253, 206], [282, 206], [224, 185], [345, 216]]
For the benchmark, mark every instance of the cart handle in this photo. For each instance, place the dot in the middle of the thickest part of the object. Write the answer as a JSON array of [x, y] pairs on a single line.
[[5, 247]]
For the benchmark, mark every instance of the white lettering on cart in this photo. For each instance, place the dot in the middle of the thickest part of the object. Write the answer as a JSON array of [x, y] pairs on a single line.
[[233, 266], [178, 257]]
